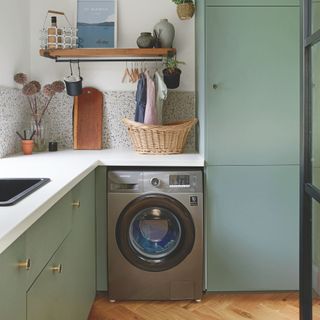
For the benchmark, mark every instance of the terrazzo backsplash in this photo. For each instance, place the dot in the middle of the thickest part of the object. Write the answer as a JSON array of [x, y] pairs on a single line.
[[14, 116], [117, 105]]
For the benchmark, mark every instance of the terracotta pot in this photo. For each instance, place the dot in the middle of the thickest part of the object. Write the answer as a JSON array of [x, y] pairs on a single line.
[[27, 146], [185, 10]]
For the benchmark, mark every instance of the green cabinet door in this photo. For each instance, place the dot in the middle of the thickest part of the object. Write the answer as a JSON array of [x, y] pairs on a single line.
[[49, 296], [252, 228], [252, 85], [83, 254], [13, 282], [46, 235]]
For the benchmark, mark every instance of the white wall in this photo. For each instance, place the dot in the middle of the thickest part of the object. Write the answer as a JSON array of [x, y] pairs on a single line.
[[15, 47], [134, 16]]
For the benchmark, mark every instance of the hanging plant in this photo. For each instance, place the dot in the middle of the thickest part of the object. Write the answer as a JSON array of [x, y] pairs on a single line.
[[171, 73], [185, 9]]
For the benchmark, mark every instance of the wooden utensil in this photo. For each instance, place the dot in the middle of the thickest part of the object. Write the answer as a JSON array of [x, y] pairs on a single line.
[[87, 120]]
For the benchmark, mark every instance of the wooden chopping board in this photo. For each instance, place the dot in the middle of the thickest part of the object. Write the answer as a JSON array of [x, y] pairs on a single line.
[[87, 120]]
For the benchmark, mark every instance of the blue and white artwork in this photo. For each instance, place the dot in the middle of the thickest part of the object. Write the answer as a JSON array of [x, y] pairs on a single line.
[[97, 23]]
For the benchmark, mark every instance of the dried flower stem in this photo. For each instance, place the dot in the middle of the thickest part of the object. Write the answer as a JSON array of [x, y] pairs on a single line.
[[30, 104], [46, 106]]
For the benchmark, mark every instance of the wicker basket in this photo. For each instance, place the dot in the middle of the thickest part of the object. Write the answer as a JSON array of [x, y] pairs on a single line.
[[159, 139], [185, 10]]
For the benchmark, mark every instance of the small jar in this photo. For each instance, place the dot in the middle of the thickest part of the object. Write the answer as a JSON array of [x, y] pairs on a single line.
[[145, 40]]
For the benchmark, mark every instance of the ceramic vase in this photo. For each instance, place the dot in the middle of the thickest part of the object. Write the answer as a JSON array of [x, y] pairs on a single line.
[[165, 32], [145, 40]]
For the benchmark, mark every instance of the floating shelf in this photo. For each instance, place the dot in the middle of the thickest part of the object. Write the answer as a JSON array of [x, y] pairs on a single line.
[[117, 54]]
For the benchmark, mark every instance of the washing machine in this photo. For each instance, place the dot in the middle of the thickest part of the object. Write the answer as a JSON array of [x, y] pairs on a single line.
[[155, 234]]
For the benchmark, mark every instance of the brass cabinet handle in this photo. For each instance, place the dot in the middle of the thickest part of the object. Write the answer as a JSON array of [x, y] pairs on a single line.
[[57, 269], [26, 264], [76, 204]]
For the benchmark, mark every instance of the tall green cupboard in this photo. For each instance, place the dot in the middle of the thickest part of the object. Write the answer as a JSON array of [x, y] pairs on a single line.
[[252, 144]]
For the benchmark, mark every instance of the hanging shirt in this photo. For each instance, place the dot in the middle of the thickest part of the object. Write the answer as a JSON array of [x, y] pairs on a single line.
[[141, 98], [161, 95], [151, 110]]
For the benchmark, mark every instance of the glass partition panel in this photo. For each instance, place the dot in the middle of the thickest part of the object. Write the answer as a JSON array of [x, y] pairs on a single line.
[[315, 25], [315, 157]]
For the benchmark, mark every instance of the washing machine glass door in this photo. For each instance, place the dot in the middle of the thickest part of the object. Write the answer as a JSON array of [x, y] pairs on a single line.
[[155, 232]]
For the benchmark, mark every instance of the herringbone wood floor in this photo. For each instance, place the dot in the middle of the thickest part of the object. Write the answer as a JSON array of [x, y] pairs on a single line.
[[240, 306]]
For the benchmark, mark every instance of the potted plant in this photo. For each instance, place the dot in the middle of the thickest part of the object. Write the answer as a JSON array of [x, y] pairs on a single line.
[[185, 8], [171, 74]]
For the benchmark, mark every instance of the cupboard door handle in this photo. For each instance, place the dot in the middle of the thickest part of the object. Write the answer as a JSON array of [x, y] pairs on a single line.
[[215, 86], [76, 204], [26, 264], [57, 269]]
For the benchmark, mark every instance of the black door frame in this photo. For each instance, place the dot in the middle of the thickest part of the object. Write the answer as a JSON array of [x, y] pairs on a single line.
[[308, 191]]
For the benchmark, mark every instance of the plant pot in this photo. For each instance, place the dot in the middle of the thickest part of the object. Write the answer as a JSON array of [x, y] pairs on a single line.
[[185, 11], [172, 80], [73, 85], [27, 146]]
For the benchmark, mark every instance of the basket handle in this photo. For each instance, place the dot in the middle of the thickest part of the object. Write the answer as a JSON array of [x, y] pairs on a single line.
[[58, 13]]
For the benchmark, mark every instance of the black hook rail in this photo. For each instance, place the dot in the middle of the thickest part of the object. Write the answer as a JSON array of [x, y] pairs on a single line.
[[77, 60]]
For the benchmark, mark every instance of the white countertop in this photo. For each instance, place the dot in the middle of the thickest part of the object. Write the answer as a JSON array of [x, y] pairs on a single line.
[[66, 169]]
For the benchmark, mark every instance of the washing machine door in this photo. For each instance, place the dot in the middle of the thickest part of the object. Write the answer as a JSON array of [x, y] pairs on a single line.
[[155, 232]]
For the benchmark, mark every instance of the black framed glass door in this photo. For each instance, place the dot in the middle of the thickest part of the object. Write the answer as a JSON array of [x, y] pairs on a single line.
[[310, 161]]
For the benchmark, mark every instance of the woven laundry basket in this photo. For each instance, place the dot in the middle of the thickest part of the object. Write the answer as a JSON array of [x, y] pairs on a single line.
[[159, 139]]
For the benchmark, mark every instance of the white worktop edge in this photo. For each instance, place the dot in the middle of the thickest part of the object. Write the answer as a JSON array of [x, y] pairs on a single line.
[[15, 220]]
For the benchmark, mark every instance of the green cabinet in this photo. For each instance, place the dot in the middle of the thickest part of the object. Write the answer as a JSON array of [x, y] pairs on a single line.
[[13, 281], [253, 228], [252, 144], [252, 85], [66, 287], [50, 271]]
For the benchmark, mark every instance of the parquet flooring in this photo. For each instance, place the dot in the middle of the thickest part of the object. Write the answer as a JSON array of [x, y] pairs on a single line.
[[228, 306]]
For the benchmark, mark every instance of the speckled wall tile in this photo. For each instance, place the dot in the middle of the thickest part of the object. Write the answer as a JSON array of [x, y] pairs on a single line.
[[118, 105], [14, 116], [59, 120]]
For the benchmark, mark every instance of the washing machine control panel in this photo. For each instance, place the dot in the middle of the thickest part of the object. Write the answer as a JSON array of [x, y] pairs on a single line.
[[179, 181], [174, 181]]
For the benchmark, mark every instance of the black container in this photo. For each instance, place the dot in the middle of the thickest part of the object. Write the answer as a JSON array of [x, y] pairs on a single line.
[[73, 82], [74, 88], [53, 146], [172, 80]]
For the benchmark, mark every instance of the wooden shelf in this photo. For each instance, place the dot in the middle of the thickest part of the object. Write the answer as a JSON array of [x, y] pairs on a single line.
[[105, 54]]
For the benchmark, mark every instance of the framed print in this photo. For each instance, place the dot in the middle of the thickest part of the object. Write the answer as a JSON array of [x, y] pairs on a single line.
[[97, 23]]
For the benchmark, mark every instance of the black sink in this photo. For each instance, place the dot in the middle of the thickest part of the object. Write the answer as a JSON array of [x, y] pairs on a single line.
[[14, 190]]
